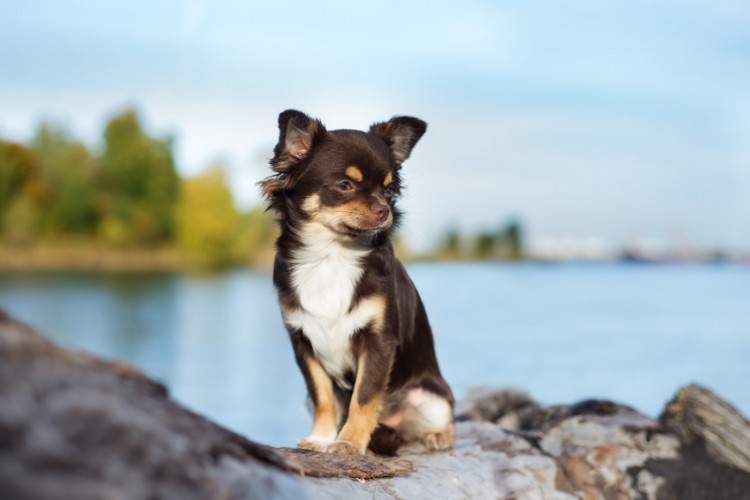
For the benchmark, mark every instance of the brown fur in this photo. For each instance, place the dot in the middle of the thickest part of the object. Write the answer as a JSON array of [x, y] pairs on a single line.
[[337, 191]]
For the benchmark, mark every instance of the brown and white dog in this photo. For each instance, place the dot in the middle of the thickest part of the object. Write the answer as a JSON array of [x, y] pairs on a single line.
[[358, 327]]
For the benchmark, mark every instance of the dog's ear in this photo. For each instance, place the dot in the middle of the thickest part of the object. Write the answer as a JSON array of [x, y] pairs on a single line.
[[401, 134], [298, 134]]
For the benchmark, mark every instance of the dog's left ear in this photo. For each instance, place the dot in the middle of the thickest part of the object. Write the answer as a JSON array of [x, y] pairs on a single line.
[[401, 134], [298, 134]]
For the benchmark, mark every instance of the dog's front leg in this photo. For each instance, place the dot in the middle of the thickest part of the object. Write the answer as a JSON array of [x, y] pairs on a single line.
[[320, 389], [364, 409]]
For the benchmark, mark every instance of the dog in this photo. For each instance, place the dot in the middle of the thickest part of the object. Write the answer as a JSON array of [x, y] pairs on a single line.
[[357, 324]]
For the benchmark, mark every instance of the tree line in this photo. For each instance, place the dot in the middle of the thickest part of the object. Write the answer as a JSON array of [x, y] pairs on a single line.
[[127, 195], [503, 243]]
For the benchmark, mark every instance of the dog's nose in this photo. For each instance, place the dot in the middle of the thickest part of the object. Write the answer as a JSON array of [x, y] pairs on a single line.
[[380, 211]]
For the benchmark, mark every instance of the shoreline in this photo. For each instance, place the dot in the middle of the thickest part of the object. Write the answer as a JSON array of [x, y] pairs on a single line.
[[85, 256], [93, 258]]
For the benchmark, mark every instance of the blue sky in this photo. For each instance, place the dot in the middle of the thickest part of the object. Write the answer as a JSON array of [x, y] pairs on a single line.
[[596, 123]]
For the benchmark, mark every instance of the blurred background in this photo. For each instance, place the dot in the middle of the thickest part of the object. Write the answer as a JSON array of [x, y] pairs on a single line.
[[577, 215]]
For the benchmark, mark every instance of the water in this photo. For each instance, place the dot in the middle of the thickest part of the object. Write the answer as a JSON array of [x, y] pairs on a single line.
[[631, 333]]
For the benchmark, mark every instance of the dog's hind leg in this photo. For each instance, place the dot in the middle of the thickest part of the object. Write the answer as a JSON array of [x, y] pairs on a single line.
[[423, 417], [442, 440]]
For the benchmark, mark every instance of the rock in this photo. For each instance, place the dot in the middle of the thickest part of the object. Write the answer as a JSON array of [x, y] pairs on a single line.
[[508, 408], [696, 414], [698, 449], [75, 426]]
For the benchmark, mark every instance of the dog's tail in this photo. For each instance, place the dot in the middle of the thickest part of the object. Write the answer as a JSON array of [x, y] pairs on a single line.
[[385, 441]]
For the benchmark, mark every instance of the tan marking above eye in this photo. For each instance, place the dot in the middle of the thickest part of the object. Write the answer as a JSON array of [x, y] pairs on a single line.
[[388, 180], [354, 173]]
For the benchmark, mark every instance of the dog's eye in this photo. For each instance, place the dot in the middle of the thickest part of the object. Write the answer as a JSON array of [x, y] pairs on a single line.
[[390, 192], [345, 186]]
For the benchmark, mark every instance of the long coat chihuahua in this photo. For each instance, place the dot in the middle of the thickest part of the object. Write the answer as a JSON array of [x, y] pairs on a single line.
[[359, 329]]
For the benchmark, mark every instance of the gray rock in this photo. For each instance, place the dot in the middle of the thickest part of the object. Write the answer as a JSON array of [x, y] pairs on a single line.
[[75, 426]]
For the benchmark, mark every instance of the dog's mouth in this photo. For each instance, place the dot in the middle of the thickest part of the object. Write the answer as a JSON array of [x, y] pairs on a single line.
[[359, 231], [356, 232]]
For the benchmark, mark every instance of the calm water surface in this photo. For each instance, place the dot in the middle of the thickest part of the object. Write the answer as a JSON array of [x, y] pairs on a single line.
[[562, 332]]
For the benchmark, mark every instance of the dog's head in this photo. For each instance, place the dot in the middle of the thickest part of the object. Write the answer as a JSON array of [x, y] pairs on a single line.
[[346, 180]]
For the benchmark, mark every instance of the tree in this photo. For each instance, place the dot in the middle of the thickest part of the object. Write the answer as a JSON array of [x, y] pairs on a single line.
[[256, 236], [206, 218], [65, 174], [484, 245], [505, 243], [451, 247], [513, 238], [17, 165], [139, 183]]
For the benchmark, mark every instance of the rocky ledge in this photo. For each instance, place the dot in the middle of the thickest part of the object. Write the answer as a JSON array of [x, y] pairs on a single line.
[[74, 426]]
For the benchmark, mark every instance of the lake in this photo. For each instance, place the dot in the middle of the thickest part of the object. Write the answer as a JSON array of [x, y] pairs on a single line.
[[628, 332]]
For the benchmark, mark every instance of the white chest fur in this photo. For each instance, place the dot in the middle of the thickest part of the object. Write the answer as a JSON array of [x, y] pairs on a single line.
[[325, 274]]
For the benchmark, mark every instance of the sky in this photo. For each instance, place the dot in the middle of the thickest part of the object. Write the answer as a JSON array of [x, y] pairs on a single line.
[[597, 124]]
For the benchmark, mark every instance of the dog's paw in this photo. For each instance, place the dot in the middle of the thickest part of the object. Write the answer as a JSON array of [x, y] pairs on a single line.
[[313, 444], [436, 441], [345, 448]]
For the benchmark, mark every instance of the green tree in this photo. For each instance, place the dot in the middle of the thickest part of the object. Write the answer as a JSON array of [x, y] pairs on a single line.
[[484, 245], [207, 220], [451, 246], [139, 183], [22, 220], [256, 234], [65, 191], [17, 165], [513, 237], [504, 244], [210, 228]]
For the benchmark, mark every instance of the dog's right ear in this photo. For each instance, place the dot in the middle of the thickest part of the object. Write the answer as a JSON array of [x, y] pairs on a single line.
[[298, 134], [401, 134]]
